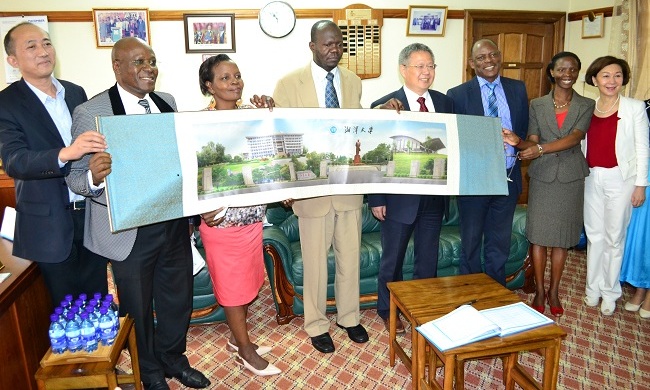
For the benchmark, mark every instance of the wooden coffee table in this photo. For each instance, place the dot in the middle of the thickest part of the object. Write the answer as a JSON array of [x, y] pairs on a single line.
[[423, 300]]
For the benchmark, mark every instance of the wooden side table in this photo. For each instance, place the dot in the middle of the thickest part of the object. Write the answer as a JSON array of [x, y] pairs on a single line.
[[424, 300], [71, 371], [436, 297], [547, 338]]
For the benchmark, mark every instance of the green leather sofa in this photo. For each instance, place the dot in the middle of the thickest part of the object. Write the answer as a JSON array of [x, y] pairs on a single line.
[[283, 259]]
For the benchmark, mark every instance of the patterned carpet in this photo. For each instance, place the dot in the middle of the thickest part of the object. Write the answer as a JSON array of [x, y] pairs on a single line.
[[598, 353]]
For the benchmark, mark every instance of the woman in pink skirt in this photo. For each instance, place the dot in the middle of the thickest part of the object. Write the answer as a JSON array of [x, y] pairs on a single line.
[[233, 242]]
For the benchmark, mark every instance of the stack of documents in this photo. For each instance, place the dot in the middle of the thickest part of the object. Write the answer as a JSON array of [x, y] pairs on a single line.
[[466, 324]]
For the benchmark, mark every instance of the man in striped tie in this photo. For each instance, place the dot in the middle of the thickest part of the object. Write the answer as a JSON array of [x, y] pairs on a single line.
[[327, 221], [486, 221], [151, 263]]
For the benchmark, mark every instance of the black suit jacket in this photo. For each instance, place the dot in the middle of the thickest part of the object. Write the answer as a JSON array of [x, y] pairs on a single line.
[[467, 101], [29, 146], [403, 207]]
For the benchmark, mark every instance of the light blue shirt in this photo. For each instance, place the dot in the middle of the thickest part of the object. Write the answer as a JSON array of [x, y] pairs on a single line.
[[504, 112]]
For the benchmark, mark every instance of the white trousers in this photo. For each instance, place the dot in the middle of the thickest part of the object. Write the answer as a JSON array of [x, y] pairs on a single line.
[[607, 211]]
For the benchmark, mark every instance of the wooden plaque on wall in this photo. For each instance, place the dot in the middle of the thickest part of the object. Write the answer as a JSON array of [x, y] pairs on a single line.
[[361, 28]]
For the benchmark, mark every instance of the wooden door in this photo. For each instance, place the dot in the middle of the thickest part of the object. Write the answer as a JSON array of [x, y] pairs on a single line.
[[527, 40]]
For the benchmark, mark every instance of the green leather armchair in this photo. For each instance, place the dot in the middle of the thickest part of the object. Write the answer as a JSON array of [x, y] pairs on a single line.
[[283, 258]]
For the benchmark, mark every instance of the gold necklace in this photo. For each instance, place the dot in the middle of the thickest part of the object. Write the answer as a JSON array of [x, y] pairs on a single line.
[[610, 108], [558, 106], [561, 105]]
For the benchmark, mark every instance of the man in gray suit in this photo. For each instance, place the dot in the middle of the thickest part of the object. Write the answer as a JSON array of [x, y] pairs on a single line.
[[150, 263]]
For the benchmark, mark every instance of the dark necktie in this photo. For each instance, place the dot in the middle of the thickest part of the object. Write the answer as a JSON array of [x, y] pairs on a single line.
[[493, 110], [144, 103], [423, 107], [331, 101]]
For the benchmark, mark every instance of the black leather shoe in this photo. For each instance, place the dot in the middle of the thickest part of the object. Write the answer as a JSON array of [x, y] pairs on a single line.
[[323, 343], [193, 378], [357, 333], [158, 385]]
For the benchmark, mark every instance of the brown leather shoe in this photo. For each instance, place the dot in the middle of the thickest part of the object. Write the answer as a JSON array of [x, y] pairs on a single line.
[[399, 328]]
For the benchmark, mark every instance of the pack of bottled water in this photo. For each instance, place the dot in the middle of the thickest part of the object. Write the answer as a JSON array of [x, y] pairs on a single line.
[[84, 324]]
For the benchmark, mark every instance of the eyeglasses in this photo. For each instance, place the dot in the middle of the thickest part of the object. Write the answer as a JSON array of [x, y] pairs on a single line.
[[139, 63], [421, 68], [483, 57]]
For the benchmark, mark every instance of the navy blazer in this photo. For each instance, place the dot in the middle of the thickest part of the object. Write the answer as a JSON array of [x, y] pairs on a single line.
[[404, 207], [29, 146], [467, 101]]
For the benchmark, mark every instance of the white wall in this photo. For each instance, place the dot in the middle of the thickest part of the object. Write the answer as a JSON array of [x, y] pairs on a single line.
[[263, 60]]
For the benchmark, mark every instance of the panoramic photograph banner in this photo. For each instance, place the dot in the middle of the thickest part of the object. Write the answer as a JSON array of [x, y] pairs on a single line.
[[171, 165]]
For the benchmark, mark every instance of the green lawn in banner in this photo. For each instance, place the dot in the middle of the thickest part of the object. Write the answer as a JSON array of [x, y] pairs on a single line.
[[403, 161]]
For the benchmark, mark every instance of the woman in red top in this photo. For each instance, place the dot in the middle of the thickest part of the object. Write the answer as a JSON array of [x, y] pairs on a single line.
[[557, 123], [617, 155]]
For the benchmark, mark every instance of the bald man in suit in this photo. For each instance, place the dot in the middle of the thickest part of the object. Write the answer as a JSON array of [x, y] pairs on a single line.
[[328, 221]]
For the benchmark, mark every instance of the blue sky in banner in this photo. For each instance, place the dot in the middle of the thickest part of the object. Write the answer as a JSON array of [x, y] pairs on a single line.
[[320, 135]]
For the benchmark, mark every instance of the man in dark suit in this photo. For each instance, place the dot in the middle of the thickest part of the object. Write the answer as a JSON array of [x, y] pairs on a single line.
[[486, 221], [150, 263], [404, 215], [35, 120]]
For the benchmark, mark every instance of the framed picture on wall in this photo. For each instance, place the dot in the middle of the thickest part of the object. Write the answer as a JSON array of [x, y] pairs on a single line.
[[593, 25], [426, 20], [209, 33], [111, 25]]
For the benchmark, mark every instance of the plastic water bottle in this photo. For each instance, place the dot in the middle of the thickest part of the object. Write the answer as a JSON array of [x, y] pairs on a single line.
[[84, 299], [70, 299], [80, 304], [98, 298], [57, 335], [59, 314], [73, 334], [88, 333], [65, 305], [95, 320], [107, 331], [114, 308], [75, 310], [111, 313]]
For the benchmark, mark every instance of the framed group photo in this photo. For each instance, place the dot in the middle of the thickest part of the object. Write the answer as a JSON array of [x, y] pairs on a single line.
[[111, 25], [426, 20], [209, 33]]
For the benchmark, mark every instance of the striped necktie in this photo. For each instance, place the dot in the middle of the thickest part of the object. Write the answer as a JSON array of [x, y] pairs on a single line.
[[144, 103], [331, 100], [493, 110]]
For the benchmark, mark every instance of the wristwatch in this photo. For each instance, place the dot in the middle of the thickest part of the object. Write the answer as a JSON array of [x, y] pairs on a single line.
[[277, 19]]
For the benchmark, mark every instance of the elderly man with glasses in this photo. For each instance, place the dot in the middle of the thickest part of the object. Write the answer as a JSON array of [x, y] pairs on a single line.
[[405, 215]]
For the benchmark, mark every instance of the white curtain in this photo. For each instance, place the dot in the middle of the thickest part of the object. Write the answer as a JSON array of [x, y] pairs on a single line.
[[629, 40]]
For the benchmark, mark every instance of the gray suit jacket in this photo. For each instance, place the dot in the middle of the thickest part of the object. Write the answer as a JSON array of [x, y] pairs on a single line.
[[570, 164], [97, 236]]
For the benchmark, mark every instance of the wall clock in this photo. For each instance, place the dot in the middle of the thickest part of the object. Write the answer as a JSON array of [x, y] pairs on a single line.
[[277, 19]]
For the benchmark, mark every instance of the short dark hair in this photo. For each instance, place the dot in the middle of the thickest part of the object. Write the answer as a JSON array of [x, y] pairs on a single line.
[[206, 72], [556, 58], [601, 62], [320, 25], [10, 45], [406, 52]]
